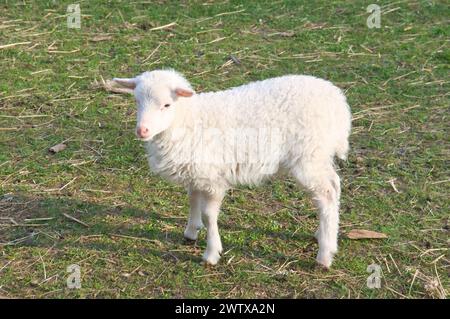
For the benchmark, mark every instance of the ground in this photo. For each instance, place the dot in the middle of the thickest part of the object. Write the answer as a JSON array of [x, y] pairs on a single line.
[[128, 240]]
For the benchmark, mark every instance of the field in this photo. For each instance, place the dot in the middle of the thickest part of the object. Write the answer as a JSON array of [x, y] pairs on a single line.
[[96, 204]]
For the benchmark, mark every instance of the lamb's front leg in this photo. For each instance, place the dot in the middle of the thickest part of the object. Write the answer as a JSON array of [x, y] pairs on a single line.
[[210, 213], [195, 215]]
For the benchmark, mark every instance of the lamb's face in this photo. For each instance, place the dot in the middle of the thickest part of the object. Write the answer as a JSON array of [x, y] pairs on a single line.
[[156, 105], [156, 96]]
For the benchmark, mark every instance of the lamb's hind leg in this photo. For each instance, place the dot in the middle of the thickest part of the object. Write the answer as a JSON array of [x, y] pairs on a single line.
[[210, 212], [195, 216], [325, 186]]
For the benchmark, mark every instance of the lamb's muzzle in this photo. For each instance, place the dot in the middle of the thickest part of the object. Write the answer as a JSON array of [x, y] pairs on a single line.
[[142, 132]]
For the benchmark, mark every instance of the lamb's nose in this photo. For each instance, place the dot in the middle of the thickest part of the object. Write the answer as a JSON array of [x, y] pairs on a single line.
[[142, 132]]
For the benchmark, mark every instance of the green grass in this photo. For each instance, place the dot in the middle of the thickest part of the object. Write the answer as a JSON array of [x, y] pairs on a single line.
[[396, 80]]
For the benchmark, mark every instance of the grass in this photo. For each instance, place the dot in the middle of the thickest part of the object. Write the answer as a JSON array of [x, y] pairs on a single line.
[[396, 80]]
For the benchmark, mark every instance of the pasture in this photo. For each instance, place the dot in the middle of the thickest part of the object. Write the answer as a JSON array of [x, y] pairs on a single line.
[[96, 204]]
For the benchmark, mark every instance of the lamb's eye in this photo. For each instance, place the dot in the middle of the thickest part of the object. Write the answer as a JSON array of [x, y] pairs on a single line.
[[166, 105]]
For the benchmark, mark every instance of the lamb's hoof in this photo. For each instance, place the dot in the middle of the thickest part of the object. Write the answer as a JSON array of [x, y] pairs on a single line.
[[211, 259], [325, 260], [191, 236], [189, 241], [316, 235]]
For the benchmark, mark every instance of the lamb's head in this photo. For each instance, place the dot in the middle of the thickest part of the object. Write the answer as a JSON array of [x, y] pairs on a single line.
[[157, 94]]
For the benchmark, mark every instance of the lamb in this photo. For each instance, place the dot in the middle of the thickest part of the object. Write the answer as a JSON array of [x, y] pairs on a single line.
[[210, 142]]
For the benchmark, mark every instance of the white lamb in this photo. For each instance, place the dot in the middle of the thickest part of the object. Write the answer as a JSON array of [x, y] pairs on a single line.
[[212, 141]]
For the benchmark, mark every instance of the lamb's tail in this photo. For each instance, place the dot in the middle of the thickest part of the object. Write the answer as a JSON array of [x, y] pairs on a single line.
[[342, 149], [345, 126]]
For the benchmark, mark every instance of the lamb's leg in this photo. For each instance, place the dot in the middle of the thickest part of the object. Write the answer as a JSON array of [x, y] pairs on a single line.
[[195, 215], [210, 212], [336, 183], [328, 225], [326, 190]]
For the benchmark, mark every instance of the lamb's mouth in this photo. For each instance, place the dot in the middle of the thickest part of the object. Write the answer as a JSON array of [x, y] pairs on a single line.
[[150, 138], [144, 139]]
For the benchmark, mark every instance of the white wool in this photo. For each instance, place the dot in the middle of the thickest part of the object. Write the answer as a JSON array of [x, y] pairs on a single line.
[[304, 120]]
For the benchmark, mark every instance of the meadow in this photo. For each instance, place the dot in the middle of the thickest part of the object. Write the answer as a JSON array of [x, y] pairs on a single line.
[[97, 205]]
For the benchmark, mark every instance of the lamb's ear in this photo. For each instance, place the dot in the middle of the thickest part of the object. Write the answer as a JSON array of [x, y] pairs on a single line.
[[183, 92], [126, 83]]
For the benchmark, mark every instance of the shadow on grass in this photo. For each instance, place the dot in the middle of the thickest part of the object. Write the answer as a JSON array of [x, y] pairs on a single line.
[[64, 222]]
